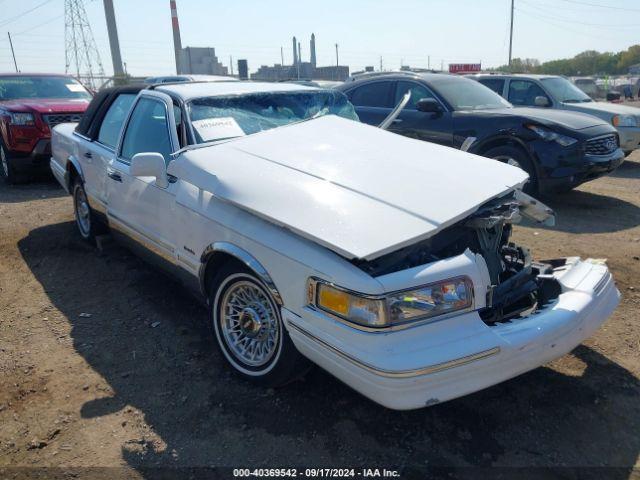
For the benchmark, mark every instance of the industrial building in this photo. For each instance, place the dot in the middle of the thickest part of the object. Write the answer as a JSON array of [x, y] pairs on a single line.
[[301, 70], [200, 61]]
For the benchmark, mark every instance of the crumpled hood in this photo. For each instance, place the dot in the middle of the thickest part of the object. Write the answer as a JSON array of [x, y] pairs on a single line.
[[596, 107], [44, 105], [355, 189]]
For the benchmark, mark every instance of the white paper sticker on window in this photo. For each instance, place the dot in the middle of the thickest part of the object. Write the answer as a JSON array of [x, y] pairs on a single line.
[[218, 128], [74, 87]]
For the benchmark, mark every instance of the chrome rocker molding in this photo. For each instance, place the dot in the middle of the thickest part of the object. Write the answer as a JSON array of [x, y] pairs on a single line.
[[428, 370], [246, 258]]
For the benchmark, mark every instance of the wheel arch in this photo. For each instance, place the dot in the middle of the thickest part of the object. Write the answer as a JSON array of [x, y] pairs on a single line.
[[72, 171], [503, 140], [218, 254], [500, 141]]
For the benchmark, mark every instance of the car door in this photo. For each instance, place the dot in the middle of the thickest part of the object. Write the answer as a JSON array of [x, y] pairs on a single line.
[[97, 154], [495, 84], [373, 101], [138, 209], [523, 93], [430, 127]]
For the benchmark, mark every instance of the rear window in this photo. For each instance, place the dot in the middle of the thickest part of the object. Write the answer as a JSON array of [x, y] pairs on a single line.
[[375, 94], [114, 118]]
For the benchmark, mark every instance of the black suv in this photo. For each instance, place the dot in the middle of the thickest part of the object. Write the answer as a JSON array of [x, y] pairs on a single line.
[[559, 150]]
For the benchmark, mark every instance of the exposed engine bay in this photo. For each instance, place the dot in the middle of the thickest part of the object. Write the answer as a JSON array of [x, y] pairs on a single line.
[[518, 285]]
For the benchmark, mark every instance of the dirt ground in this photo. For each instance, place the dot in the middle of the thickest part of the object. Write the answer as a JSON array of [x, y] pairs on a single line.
[[106, 363]]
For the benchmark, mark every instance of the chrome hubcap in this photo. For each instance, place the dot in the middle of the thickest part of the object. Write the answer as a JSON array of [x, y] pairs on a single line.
[[5, 164], [249, 323], [83, 216]]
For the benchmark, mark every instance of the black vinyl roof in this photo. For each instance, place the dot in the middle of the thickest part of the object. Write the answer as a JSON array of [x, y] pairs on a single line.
[[99, 106]]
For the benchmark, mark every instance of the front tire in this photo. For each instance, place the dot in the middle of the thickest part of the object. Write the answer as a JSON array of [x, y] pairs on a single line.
[[7, 170], [249, 329], [517, 158]]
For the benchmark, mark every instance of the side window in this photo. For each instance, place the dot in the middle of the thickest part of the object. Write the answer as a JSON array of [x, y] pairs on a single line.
[[182, 134], [418, 92], [495, 84], [375, 94], [524, 92], [114, 118], [148, 130]]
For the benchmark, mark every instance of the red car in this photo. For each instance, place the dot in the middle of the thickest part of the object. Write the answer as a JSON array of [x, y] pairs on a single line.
[[30, 106]]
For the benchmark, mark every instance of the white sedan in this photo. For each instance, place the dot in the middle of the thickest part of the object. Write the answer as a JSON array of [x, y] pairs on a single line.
[[311, 236]]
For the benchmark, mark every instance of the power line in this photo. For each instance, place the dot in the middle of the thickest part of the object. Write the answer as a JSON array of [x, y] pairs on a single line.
[[40, 25], [572, 21], [602, 6], [20, 15], [563, 27]]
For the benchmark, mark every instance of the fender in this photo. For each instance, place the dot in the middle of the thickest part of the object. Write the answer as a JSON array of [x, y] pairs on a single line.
[[72, 160], [496, 140], [245, 258]]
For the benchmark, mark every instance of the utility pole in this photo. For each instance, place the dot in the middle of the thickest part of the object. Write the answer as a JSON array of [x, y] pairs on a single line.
[[112, 30], [13, 53], [511, 32], [231, 64], [429, 62], [281, 56], [177, 42]]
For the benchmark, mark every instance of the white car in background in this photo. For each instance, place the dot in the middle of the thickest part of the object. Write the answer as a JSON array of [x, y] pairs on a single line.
[[311, 236], [548, 91]]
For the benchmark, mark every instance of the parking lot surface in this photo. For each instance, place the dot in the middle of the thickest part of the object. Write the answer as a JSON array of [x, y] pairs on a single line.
[[105, 362]]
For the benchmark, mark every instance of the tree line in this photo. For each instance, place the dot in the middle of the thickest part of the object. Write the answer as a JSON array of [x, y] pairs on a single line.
[[590, 62]]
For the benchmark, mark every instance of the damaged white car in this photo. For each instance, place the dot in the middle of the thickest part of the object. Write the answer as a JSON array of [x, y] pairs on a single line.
[[311, 236]]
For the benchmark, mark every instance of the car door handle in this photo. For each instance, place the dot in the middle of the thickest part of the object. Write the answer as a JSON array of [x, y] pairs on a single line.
[[88, 154], [114, 175]]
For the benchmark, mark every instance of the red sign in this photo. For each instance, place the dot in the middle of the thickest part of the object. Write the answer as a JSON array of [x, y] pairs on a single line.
[[464, 67]]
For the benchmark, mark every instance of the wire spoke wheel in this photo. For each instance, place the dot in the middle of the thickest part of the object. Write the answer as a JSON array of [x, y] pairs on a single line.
[[249, 324], [83, 213]]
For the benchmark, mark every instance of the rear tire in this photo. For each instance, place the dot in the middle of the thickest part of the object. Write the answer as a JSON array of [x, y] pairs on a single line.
[[7, 170], [88, 225], [249, 329], [517, 158]]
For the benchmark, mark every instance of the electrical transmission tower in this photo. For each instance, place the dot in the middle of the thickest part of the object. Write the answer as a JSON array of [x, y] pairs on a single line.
[[81, 52]]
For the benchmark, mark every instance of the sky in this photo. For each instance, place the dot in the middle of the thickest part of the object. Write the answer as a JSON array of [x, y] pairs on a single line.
[[419, 33]]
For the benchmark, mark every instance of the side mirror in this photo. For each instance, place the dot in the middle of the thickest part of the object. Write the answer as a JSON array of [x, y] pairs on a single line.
[[541, 101], [428, 105], [150, 165]]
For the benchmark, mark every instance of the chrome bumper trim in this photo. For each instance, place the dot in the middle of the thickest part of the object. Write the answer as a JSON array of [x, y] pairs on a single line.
[[428, 370]]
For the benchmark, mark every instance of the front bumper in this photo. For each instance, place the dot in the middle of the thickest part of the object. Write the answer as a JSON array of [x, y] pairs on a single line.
[[443, 360], [629, 138], [35, 161], [587, 167]]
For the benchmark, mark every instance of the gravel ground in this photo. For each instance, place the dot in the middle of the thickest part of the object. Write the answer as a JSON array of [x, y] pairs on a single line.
[[106, 363]]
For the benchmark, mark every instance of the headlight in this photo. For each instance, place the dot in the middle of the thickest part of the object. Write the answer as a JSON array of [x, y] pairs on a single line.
[[397, 308], [624, 121], [22, 119], [551, 136]]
